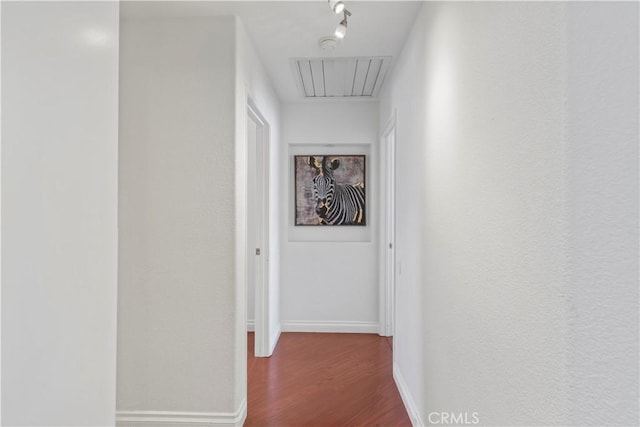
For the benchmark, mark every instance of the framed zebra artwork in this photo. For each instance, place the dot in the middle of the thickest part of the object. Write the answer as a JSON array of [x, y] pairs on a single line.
[[330, 190]]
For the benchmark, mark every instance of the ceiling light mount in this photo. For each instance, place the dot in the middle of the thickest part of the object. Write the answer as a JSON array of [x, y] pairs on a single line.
[[328, 43]]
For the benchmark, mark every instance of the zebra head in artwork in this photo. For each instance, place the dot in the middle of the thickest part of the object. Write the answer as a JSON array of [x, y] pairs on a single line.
[[335, 204], [323, 184]]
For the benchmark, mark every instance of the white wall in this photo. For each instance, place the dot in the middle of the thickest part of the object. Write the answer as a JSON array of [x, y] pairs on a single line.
[[342, 295], [0, 214], [59, 212], [503, 190], [177, 299], [602, 212]]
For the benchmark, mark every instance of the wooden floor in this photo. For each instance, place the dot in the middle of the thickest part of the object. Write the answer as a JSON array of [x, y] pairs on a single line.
[[324, 380]]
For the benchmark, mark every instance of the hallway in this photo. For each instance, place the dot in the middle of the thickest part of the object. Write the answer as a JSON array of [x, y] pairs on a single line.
[[324, 380], [488, 152]]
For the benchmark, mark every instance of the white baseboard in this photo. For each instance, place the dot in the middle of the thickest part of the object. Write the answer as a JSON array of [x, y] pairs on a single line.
[[276, 334], [251, 325], [409, 403], [182, 419], [330, 327]]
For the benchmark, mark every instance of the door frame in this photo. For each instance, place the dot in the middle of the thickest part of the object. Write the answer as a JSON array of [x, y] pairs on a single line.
[[261, 258], [388, 228]]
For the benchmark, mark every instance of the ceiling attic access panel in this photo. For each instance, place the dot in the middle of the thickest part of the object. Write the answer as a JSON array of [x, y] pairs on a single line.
[[360, 77]]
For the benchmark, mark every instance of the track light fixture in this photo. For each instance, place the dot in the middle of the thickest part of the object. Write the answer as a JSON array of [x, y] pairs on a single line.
[[337, 6], [341, 29]]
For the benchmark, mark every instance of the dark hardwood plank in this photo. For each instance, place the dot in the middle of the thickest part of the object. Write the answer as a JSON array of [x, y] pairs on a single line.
[[324, 380]]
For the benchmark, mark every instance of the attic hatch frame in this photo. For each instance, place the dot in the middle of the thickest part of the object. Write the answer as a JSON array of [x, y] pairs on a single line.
[[340, 77]]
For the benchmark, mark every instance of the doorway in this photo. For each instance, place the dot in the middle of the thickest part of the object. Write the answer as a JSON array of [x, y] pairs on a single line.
[[258, 229], [388, 232]]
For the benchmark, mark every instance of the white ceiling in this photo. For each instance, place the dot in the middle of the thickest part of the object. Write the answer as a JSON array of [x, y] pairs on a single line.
[[281, 30]]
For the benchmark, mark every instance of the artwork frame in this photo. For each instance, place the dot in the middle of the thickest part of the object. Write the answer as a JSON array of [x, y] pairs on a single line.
[[315, 204]]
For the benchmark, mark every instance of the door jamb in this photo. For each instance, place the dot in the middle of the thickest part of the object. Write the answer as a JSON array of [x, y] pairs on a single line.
[[387, 292], [262, 308]]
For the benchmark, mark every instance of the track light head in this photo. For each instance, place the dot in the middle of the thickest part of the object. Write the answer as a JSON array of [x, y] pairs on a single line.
[[341, 29], [337, 6]]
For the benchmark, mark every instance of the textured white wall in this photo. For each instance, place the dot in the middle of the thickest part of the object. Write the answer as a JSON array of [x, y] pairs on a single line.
[[0, 215], [345, 289], [505, 307], [59, 212], [177, 308], [602, 212]]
